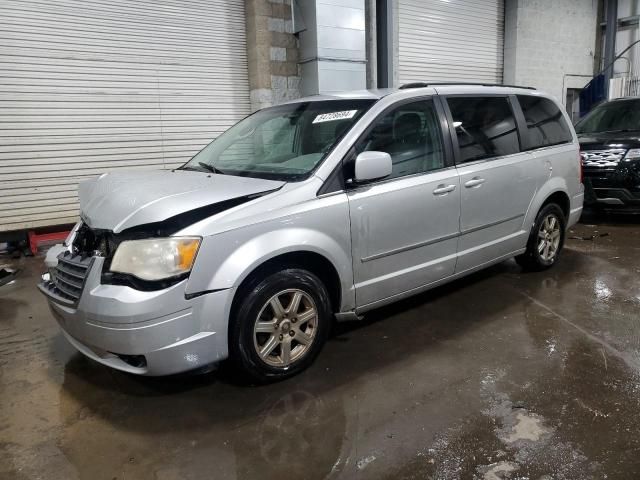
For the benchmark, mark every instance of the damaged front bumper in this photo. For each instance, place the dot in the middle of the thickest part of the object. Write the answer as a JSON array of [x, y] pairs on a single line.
[[143, 332]]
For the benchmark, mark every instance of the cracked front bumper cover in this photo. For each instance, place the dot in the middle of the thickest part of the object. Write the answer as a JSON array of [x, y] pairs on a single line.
[[116, 325]]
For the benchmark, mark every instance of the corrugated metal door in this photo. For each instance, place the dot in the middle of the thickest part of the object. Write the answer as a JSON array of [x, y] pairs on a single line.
[[456, 40], [89, 86]]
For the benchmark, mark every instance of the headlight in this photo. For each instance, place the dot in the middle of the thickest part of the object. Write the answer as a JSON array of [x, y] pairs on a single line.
[[632, 154], [156, 258]]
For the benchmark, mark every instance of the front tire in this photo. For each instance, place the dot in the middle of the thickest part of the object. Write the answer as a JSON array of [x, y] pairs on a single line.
[[545, 240], [280, 325]]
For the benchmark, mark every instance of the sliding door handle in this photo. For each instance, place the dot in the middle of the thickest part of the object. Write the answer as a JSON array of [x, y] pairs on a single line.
[[474, 182], [444, 189]]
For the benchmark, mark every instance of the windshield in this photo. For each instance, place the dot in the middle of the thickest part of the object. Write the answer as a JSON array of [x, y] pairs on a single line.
[[612, 117], [285, 142]]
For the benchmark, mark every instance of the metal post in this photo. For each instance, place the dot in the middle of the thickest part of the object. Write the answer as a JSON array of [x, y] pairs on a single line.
[[610, 41], [384, 27]]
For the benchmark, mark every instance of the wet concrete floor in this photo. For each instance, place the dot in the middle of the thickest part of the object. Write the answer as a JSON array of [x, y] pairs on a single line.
[[501, 375]]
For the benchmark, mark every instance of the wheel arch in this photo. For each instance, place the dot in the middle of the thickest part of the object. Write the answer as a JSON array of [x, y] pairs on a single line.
[[311, 261], [553, 191], [561, 199], [226, 260]]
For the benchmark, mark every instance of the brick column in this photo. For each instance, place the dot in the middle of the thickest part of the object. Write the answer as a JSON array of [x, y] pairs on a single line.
[[272, 53]]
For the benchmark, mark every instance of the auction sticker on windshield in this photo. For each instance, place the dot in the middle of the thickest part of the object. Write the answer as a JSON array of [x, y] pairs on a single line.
[[330, 117]]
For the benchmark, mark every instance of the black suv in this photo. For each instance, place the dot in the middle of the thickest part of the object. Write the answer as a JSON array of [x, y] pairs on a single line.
[[609, 138]]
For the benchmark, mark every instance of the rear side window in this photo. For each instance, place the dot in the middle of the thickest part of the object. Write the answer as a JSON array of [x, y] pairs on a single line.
[[485, 127], [545, 123]]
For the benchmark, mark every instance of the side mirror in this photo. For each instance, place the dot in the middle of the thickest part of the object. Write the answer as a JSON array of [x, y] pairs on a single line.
[[372, 166]]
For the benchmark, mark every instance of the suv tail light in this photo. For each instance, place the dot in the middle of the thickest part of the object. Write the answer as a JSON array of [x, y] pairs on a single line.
[[581, 167]]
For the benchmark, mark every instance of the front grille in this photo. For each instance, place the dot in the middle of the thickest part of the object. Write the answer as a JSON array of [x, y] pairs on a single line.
[[602, 159], [67, 278]]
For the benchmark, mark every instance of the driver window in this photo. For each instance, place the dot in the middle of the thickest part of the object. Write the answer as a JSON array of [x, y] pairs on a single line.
[[409, 133]]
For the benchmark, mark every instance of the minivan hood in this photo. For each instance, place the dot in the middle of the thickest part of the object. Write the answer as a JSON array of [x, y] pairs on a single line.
[[117, 201]]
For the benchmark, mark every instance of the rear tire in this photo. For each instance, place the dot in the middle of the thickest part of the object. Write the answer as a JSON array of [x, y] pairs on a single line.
[[545, 240], [280, 325]]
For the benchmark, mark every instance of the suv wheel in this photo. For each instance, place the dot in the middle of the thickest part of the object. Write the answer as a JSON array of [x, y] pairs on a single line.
[[280, 325], [545, 240]]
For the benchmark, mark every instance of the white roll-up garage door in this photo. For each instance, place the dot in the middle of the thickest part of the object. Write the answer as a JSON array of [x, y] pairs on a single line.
[[90, 86], [456, 40]]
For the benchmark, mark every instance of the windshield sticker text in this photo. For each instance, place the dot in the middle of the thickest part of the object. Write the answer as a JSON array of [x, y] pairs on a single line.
[[330, 117]]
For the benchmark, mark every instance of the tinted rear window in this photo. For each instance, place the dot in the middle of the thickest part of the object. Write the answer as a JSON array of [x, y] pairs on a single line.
[[485, 127], [545, 123]]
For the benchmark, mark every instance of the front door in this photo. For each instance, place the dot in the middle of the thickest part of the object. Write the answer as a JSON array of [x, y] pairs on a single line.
[[404, 228], [497, 180]]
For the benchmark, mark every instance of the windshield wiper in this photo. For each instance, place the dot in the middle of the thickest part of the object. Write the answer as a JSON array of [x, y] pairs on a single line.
[[210, 168], [202, 166]]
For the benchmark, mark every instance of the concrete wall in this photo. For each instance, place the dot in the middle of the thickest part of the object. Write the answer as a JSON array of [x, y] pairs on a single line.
[[327, 55], [333, 46], [550, 44], [626, 35], [272, 53]]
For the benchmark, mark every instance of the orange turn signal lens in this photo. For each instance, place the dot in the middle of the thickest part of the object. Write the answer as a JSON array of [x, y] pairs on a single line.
[[187, 250]]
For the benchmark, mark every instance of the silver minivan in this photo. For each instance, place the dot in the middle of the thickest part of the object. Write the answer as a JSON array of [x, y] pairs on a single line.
[[316, 210]]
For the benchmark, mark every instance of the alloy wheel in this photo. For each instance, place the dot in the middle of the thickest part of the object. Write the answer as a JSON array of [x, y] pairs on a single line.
[[549, 238], [285, 328]]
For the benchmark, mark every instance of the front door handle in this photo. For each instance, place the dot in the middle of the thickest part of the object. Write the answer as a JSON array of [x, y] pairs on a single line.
[[474, 182], [444, 189]]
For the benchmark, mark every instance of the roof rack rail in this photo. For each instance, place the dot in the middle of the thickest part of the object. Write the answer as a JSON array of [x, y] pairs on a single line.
[[413, 85], [441, 84]]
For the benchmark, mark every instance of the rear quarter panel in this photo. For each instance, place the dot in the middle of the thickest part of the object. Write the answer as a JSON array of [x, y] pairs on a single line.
[[562, 175], [562, 165]]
